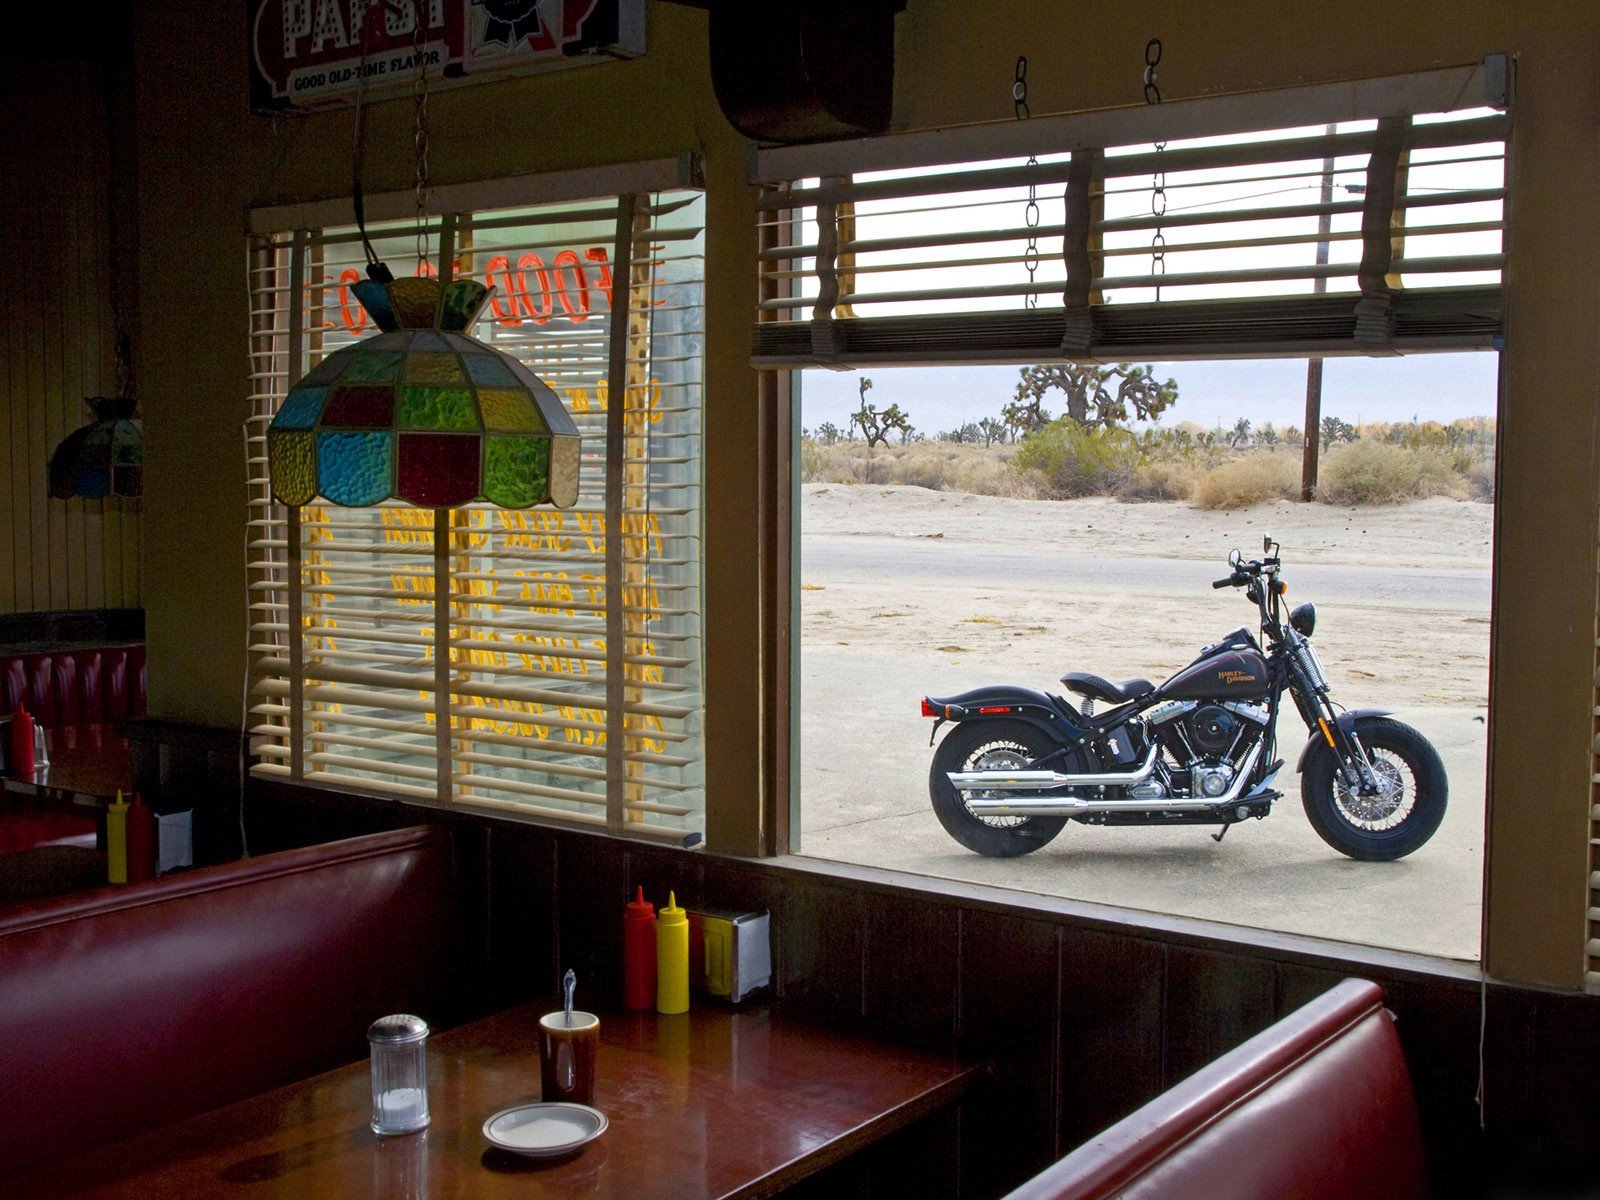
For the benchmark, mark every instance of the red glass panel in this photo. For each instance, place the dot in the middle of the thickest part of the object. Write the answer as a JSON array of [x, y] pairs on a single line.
[[361, 406], [438, 470]]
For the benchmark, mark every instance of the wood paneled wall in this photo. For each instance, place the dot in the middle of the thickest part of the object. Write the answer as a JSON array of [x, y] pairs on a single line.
[[57, 334]]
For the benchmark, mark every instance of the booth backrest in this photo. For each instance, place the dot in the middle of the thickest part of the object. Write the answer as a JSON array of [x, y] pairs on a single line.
[[123, 1010], [75, 687], [1317, 1107]]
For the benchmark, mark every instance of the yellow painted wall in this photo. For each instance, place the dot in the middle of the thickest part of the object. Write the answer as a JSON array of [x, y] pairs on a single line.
[[204, 159]]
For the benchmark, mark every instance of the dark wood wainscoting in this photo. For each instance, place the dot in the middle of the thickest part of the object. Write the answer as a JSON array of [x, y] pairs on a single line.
[[1085, 1012]]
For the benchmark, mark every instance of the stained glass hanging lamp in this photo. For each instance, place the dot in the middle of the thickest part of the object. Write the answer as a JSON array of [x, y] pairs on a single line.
[[104, 458], [421, 412]]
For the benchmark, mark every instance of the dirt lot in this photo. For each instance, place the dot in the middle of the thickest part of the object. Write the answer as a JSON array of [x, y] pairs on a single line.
[[907, 592]]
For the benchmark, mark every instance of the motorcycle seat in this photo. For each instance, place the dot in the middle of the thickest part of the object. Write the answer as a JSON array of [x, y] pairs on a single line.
[[1085, 684]]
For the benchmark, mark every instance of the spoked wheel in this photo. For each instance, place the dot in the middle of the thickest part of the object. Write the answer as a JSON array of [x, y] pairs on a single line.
[[1401, 816], [989, 746]]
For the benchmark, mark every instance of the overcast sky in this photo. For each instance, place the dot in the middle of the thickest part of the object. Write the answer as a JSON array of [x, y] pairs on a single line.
[[1439, 387]]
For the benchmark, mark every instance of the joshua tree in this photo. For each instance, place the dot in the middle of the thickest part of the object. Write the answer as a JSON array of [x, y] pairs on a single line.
[[1090, 401], [827, 433], [876, 426], [1335, 431], [991, 430], [1267, 435], [1240, 434]]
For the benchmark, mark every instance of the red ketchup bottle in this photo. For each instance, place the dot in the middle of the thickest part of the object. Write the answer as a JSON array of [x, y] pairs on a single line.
[[22, 743], [639, 953], [141, 840]]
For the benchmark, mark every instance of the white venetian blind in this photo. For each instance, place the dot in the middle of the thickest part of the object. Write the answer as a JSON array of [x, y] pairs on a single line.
[[572, 684], [1337, 220]]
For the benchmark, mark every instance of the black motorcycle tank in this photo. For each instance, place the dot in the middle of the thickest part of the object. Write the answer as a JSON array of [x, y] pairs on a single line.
[[1232, 675]]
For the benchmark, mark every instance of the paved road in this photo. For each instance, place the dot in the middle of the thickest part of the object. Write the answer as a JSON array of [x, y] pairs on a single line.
[[869, 559]]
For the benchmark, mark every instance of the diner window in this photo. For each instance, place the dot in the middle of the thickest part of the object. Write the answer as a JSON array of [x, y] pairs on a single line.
[[571, 688], [1209, 253]]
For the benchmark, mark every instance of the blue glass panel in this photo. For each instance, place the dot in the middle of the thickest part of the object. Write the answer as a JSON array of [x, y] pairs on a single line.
[[489, 369], [428, 339], [374, 298], [355, 469], [301, 408]]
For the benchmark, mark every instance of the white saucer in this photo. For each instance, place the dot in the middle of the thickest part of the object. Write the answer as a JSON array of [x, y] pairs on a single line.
[[543, 1130]]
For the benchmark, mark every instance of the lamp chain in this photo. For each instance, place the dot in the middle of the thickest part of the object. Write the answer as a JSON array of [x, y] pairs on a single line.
[[1030, 214], [1158, 180], [421, 137]]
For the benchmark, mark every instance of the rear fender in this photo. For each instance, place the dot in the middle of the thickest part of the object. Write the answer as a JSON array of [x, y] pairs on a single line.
[[1346, 721], [1054, 716]]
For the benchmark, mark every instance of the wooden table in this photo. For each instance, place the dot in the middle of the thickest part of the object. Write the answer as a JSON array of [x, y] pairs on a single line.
[[708, 1104]]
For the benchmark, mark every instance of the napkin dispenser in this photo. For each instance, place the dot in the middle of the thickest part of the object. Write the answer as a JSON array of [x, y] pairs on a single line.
[[730, 954]]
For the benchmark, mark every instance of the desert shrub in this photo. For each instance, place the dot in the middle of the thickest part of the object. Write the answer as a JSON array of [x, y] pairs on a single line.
[[1249, 480], [1075, 461], [1478, 476], [1160, 479], [813, 461], [1370, 472]]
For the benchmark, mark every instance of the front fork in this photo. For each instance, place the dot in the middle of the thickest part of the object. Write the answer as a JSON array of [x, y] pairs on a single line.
[[1355, 768]]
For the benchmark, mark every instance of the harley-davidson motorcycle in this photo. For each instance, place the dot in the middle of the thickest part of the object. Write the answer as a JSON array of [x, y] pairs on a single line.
[[1196, 750]]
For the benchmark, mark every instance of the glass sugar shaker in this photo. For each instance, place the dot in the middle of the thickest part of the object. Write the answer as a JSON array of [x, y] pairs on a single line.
[[399, 1074]]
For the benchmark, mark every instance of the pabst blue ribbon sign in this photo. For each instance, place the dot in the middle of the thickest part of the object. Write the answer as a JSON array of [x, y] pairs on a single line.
[[314, 52]]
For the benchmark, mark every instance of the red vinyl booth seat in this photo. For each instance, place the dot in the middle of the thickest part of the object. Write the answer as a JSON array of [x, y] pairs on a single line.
[[75, 687], [127, 1009], [1317, 1107]]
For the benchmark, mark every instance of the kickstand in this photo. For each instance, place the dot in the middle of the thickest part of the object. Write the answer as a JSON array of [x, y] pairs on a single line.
[[1221, 833]]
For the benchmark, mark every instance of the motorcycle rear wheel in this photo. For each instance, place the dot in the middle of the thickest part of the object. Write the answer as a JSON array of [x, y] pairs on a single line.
[[989, 745], [1399, 820]]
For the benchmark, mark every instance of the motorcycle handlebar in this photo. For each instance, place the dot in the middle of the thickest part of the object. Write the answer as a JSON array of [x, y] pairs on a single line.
[[1222, 583], [1237, 579]]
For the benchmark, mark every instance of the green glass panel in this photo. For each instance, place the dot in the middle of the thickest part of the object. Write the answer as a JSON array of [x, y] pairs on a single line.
[[372, 366], [290, 459], [516, 471], [437, 408], [509, 409], [433, 370], [355, 468], [462, 300]]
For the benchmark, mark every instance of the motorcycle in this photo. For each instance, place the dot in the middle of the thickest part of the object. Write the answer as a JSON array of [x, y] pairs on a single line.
[[1197, 750]]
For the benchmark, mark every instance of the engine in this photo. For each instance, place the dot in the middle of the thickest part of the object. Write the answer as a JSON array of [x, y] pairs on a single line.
[[1203, 741]]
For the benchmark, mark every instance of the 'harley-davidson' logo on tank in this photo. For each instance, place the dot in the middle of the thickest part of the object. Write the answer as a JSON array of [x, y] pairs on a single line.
[[1223, 674]]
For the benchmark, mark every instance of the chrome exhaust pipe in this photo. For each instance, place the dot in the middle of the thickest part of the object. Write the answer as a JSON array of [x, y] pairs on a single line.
[[1073, 806], [1041, 781]]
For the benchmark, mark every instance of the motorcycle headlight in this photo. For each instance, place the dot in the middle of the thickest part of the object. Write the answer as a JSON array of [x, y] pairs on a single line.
[[1304, 618]]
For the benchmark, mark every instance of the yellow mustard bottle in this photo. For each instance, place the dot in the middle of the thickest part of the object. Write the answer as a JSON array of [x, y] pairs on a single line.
[[672, 958], [117, 840]]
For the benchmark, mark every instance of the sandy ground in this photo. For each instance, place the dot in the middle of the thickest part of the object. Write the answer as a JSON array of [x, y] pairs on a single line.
[[907, 592]]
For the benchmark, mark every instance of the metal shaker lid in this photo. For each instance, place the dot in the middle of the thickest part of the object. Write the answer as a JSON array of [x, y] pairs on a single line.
[[398, 1029]]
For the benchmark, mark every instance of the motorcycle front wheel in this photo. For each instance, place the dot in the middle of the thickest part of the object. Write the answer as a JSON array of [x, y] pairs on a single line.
[[1401, 817], [989, 746]]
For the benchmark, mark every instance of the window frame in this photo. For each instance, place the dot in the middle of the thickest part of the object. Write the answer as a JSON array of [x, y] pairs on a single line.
[[624, 188]]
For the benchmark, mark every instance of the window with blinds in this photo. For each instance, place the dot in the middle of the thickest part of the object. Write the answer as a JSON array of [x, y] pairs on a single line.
[[539, 661], [1348, 220]]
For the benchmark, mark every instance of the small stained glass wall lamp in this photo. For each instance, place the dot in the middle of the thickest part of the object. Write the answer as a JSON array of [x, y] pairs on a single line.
[[423, 413], [102, 459]]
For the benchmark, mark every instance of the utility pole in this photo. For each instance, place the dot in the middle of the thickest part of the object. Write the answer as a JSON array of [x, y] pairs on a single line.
[[1308, 461]]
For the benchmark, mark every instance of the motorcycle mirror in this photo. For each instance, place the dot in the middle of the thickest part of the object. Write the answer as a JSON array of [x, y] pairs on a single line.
[[1266, 542], [1235, 557]]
